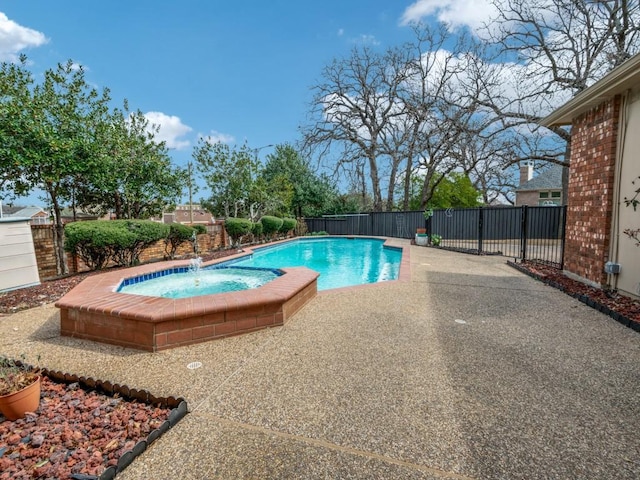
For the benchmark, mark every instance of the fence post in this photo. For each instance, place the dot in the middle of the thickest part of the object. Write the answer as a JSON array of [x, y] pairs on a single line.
[[523, 233], [562, 237], [480, 229]]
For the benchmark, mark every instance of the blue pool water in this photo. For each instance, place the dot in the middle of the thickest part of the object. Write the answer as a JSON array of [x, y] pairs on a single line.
[[186, 283], [341, 262]]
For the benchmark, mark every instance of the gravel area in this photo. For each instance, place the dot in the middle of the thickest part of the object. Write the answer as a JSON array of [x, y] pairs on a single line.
[[470, 370], [73, 432]]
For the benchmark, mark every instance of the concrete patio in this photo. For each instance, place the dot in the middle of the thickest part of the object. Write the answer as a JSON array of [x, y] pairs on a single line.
[[470, 370]]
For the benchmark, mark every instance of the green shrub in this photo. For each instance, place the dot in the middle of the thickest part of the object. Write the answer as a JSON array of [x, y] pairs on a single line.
[[237, 228], [256, 230], [199, 228], [178, 234], [270, 225], [99, 241], [141, 234], [288, 224], [92, 241]]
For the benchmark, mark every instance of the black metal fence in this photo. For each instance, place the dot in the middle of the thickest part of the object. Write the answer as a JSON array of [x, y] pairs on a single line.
[[527, 233]]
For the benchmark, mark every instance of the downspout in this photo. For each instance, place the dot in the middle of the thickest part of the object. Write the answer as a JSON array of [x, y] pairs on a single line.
[[614, 234]]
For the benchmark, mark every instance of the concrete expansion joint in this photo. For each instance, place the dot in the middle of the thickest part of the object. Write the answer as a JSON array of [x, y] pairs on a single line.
[[243, 364], [315, 442]]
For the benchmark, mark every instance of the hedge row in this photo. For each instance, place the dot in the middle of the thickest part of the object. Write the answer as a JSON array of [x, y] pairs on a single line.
[[98, 242], [268, 226]]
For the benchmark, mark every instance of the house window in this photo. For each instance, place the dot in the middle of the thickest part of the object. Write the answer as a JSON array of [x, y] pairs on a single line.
[[549, 198]]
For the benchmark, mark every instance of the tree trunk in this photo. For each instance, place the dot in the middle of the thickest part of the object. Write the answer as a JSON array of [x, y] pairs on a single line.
[[392, 183], [375, 184], [118, 206], [407, 185], [58, 239]]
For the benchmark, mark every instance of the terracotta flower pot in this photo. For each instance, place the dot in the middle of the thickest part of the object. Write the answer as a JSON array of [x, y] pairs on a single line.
[[421, 230], [15, 405]]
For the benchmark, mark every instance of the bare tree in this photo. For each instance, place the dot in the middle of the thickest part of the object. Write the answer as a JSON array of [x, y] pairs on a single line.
[[351, 107], [550, 50], [400, 111]]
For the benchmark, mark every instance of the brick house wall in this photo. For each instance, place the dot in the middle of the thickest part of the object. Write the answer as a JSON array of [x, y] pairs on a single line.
[[590, 192], [530, 198]]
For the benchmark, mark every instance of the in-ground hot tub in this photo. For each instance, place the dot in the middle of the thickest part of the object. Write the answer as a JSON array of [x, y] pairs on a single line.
[[95, 310]]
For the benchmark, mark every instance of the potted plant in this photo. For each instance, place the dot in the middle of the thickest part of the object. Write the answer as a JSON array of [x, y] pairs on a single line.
[[428, 213], [435, 240], [19, 389]]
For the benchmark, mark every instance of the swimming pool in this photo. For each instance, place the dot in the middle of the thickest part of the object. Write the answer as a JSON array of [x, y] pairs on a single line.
[[96, 310], [341, 262], [189, 282]]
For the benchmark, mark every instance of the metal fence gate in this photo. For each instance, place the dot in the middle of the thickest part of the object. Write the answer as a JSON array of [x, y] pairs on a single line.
[[525, 233]]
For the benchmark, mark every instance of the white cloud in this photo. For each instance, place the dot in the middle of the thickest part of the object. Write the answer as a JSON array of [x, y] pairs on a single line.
[[456, 13], [340, 32], [366, 40], [215, 137], [171, 129], [14, 38]]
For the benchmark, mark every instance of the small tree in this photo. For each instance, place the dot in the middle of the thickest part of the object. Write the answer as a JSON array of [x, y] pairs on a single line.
[[270, 225], [178, 234], [141, 234], [92, 241], [256, 230], [229, 174], [288, 224], [237, 228]]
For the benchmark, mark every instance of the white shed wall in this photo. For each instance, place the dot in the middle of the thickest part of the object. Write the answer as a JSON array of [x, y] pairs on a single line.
[[18, 265]]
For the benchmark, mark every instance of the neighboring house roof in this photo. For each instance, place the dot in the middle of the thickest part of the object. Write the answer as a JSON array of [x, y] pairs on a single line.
[[550, 179], [618, 81], [10, 211], [26, 212]]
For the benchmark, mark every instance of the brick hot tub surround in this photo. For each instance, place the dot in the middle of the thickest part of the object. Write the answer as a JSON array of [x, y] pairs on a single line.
[[94, 310]]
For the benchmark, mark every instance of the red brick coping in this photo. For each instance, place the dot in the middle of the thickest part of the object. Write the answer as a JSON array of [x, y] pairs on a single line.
[[94, 310]]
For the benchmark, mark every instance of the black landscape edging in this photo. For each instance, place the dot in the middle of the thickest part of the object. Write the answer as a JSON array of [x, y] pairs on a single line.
[[590, 302], [178, 410]]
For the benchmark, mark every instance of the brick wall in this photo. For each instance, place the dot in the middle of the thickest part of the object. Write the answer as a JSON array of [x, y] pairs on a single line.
[[590, 203], [43, 245], [529, 197], [216, 237]]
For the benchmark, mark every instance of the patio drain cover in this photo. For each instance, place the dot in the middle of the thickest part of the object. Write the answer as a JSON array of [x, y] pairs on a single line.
[[194, 365]]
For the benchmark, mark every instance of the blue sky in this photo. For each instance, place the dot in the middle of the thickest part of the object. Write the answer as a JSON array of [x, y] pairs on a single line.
[[238, 71]]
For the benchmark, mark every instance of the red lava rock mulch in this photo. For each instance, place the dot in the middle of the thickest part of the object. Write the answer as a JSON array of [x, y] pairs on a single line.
[[73, 433], [596, 297]]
